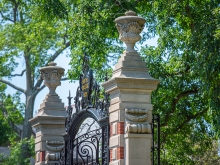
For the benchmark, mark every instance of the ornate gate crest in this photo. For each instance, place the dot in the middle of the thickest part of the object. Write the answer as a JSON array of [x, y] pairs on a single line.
[[90, 148], [86, 84]]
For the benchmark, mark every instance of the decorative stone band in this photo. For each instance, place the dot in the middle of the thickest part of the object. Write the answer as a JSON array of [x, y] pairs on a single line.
[[138, 128]]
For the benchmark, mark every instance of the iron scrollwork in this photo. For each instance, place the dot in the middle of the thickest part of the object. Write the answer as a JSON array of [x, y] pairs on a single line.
[[90, 101], [86, 148]]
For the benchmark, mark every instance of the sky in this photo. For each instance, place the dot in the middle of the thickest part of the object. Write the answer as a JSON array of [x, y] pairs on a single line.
[[66, 86]]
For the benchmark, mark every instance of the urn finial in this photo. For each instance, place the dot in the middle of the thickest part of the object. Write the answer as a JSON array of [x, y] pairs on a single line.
[[129, 27], [52, 75]]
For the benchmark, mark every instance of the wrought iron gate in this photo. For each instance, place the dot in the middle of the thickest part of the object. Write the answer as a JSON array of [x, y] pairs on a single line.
[[156, 137], [90, 148]]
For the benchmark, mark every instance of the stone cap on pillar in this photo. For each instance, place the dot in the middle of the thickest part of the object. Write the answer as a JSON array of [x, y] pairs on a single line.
[[130, 72]]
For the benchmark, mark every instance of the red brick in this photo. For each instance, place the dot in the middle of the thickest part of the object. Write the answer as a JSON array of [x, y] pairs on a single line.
[[120, 153], [42, 156], [120, 128], [110, 155]]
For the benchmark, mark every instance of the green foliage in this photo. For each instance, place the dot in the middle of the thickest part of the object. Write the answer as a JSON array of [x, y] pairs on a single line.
[[28, 40], [10, 114], [27, 36], [15, 152], [187, 62]]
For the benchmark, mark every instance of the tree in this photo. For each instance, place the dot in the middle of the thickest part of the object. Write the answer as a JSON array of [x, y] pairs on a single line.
[[36, 42], [187, 62]]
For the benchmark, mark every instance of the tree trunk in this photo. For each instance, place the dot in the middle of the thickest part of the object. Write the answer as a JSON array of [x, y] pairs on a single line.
[[27, 129]]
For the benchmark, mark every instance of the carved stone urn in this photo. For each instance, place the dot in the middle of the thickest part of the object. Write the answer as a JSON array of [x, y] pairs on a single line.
[[52, 75], [129, 27]]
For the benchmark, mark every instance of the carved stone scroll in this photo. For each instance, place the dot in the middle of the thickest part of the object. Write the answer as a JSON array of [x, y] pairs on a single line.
[[136, 118], [136, 121], [138, 128], [56, 146], [52, 156]]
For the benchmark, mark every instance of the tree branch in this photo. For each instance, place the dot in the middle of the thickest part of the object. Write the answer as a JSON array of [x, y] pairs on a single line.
[[12, 85], [57, 53], [188, 118], [15, 128], [43, 86], [174, 102], [136, 2], [38, 90], [6, 18], [64, 79], [13, 75], [54, 56]]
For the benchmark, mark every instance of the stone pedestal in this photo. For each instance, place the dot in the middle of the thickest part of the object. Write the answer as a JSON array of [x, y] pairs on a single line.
[[50, 120], [130, 93]]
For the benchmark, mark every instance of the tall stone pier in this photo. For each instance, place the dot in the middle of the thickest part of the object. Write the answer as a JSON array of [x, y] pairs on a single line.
[[50, 119], [130, 93]]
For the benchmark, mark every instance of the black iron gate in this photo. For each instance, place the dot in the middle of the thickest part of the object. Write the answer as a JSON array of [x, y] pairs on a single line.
[[90, 148]]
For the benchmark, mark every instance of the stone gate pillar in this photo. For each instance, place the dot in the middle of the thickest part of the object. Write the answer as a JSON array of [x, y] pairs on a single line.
[[130, 93], [50, 119]]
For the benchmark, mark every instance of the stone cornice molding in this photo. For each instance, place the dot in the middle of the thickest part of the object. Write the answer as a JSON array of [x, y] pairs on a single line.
[[130, 83], [42, 120]]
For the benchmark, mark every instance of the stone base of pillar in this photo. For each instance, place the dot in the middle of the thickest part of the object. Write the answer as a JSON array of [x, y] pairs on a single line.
[[40, 163], [138, 148], [117, 162]]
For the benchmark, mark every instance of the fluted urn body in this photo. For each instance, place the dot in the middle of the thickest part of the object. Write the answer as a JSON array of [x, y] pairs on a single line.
[[129, 27], [52, 75]]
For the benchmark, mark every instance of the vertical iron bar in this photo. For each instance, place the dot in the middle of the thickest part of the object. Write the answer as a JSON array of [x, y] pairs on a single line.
[[71, 152], [108, 151], [153, 140], [77, 149], [103, 144], [158, 139], [65, 154]]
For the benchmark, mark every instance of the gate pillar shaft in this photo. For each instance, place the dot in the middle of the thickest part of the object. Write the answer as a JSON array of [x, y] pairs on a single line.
[[130, 111], [50, 119]]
